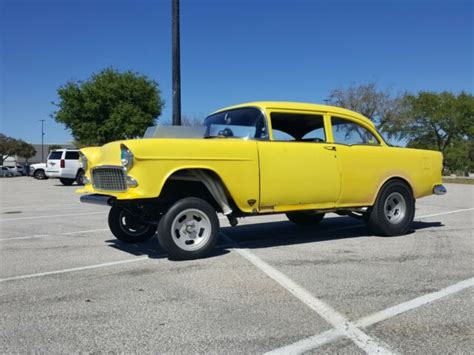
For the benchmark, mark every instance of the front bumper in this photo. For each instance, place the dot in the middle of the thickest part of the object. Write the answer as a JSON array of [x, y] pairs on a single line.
[[53, 174], [97, 199], [439, 190]]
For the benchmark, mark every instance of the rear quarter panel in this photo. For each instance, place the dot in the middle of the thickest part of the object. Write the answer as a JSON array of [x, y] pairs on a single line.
[[421, 168]]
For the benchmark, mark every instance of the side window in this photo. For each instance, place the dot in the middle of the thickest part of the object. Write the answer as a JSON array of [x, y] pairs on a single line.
[[350, 133], [297, 127], [72, 155], [55, 155]]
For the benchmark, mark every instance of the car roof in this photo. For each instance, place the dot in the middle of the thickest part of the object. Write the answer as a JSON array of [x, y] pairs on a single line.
[[289, 105], [65, 150]]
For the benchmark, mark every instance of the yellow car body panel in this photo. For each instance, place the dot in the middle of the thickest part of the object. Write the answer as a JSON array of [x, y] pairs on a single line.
[[263, 176]]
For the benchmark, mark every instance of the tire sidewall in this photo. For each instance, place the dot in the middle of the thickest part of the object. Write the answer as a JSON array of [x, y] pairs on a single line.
[[114, 220], [165, 237], [378, 221], [66, 181], [39, 175], [80, 178]]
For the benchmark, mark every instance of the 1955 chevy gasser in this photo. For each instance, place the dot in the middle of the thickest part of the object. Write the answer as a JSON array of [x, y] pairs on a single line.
[[257, 158]]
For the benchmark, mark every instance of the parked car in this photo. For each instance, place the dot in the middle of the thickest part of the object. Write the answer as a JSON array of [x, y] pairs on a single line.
[[38, 171], [20, 169], [6, 172], [259, 158], [14, 170], [64, 164]]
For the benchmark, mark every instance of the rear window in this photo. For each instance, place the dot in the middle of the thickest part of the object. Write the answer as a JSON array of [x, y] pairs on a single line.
[[72, 155], [55, 155]]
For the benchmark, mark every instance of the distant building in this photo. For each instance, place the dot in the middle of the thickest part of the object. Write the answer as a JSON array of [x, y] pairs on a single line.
[[12, 161]]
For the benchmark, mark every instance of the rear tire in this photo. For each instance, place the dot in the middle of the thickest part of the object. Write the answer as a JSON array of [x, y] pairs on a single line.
[[80, 178], [189, 229], [393, 211], [67, 182], [305, 219], [127, 228]]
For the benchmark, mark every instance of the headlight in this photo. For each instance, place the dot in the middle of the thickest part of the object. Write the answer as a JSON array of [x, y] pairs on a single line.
[[126, 157], [83, 161]]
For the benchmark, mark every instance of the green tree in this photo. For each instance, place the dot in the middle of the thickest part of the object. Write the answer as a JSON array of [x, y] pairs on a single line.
[[8, 147], [380, 106], [109, 106], [441, 121], [25, 150]]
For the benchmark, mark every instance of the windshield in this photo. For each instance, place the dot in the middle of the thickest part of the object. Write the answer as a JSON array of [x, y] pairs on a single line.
[[238, 123]]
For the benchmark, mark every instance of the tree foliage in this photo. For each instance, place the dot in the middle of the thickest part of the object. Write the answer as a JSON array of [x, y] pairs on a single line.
[[380, 106], [436, 120], [25, 150], [10, 147], [441, 121], [110, 106], [427, 120]]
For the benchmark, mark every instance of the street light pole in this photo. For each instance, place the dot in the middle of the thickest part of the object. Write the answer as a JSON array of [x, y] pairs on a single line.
[[176, 64], [42, 139]]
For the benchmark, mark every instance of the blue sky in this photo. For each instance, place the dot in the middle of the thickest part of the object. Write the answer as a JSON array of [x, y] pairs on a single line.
[[232, 51]]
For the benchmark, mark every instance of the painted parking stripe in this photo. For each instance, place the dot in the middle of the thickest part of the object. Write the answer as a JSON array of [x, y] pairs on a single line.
[[308, 344], [57, 272], [448, 212], [367, 343], [52, 235], [329, 336], [414, 303], [52, 216]]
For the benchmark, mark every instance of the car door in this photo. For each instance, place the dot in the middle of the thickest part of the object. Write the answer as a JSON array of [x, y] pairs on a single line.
[[54, 161], [360, 152], [298, 168]]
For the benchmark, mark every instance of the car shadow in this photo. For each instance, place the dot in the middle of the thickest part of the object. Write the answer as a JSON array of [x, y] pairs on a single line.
[[286, 233], [153, 250], [271, 234]]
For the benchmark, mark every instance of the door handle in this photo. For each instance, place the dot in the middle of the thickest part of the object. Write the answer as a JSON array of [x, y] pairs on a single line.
[[330, 147]]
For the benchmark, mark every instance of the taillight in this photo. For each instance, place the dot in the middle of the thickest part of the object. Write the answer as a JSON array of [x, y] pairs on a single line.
[[63, 163]]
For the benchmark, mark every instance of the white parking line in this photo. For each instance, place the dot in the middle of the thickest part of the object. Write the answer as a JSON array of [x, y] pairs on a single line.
[[52, 216], [51, 235], [56, 272], [308, 344], [32, 205], [448, 212], [367, 343], [414, 303], [316, 341]]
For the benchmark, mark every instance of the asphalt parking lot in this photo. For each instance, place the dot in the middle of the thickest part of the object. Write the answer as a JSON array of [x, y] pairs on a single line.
[[67, 285]]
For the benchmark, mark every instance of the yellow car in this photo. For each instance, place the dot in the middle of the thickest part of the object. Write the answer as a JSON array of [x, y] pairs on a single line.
[[257, 158]]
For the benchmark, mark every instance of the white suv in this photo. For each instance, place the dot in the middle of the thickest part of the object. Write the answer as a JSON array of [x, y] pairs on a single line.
[[64, 164]]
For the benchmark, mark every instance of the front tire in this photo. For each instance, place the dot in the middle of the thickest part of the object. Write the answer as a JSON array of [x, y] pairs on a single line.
[[393, 211], [189, 229], [39, 175], [305, 219], [127, 228]]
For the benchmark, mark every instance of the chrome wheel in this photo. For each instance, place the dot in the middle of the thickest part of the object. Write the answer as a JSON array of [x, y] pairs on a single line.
[[395, 208], [191, 229]]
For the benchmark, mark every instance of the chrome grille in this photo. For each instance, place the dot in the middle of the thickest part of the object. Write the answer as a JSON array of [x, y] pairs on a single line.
[[109, 178]]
